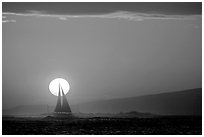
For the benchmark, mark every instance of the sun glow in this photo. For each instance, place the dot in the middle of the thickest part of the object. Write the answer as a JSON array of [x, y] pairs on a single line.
[[54, 86]]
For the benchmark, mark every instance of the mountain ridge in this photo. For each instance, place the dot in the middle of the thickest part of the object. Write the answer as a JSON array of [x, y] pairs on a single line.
[[185, 102]]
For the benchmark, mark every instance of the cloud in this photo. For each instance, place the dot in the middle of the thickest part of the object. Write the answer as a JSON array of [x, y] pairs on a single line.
[[62, 18], [125, 15], [36, 11], [6, 21]]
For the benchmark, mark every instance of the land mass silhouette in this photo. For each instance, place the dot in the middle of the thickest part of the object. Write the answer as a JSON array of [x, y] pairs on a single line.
[[186, 102]]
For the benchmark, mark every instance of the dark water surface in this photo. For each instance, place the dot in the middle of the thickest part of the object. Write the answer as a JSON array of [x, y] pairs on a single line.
[[182, 125]]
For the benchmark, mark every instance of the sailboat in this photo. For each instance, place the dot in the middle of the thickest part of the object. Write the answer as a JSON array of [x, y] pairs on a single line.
[[62, 103]]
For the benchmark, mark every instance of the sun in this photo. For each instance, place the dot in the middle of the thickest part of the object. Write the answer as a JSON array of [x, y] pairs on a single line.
[[54, 86]]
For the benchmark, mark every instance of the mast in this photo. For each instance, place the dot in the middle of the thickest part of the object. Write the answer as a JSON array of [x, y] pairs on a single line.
[[65, 105], [58, 106]]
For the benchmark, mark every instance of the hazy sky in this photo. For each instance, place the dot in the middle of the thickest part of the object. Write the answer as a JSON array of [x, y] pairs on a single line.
[[104, 50]]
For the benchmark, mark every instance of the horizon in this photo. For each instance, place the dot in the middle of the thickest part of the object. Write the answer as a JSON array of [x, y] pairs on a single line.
[[190, 102]]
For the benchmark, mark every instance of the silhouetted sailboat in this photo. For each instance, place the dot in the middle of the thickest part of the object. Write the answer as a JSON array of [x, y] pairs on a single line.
[[62, 104]]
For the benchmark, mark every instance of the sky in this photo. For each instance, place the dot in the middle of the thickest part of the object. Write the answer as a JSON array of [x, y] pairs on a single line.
[[104, 50]]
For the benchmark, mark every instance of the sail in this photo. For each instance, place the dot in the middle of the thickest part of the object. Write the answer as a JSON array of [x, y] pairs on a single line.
[[58, 106], [65, 105]]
